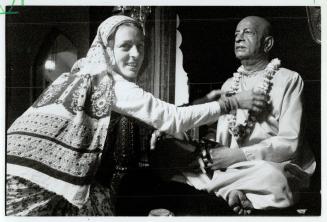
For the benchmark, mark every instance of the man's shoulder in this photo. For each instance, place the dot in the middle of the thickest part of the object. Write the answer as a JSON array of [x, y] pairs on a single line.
[[227, 84], [229, 80], [287, 75]]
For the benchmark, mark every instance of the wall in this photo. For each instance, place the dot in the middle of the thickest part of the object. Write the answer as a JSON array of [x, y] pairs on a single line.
[[26, 33]]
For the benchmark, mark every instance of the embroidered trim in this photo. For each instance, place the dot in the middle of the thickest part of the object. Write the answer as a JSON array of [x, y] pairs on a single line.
[[44, 168], [53, 91], [75, 154], [102, 97], [76, 96]]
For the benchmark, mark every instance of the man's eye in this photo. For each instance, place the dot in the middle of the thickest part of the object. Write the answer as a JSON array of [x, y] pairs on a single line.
[[248, 32]]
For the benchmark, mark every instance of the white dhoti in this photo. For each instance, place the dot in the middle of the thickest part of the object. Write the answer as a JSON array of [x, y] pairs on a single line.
[[264, 183]]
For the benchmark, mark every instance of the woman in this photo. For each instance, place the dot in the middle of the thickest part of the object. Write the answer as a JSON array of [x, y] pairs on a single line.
[[55, 147]]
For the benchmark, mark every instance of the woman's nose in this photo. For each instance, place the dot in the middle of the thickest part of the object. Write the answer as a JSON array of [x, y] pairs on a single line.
[[134, 51]]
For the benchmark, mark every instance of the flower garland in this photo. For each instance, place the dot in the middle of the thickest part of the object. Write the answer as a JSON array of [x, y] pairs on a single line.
[[240, 131]]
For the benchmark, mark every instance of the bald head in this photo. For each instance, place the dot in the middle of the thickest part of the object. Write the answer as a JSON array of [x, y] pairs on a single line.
[[253, 38], [260, 23]]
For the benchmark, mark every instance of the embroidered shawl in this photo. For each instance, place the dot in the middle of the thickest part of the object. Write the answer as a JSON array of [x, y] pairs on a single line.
[[57, 143]]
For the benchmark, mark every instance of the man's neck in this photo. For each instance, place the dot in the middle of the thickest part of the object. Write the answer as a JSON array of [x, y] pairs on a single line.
[[254, 65]]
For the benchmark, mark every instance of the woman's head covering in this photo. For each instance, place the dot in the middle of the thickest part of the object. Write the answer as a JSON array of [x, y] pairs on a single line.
[[109, 26], [57, 143], [97, 59]]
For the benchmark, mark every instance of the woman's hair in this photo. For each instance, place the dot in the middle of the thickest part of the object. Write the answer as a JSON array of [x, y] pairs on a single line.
[[111, 37]]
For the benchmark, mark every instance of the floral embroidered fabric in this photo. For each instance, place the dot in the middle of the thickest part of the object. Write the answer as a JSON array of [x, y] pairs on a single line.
[[57, 143], [25, 198]]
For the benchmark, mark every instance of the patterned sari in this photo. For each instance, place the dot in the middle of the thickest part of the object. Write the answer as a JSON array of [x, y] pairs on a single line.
[[55, 147]]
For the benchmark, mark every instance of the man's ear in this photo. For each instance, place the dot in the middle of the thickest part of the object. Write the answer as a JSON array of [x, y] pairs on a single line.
[[268, 43]]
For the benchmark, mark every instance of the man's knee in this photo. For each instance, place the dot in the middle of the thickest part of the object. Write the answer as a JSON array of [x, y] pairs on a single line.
[[272, 186], [272, 172]]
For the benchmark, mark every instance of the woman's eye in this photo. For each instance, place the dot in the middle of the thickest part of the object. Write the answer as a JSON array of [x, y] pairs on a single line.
[[125, 46], [140, 46]]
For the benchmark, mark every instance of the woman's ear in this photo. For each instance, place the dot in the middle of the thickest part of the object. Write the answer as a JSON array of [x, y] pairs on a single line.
[[268, 43]]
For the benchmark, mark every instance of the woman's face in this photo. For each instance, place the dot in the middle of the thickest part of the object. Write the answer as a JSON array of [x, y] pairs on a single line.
[[128, 51]]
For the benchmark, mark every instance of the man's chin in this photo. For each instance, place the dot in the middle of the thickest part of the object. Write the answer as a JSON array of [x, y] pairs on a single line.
[[241, 56]]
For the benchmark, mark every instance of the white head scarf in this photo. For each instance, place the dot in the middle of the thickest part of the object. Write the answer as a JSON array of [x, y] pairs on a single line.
[[97, 59]]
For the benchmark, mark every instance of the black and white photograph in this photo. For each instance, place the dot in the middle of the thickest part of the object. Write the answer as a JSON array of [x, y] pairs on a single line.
[[146, 110]]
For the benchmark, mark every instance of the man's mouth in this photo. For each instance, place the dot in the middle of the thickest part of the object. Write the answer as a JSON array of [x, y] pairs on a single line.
[[239, 47]]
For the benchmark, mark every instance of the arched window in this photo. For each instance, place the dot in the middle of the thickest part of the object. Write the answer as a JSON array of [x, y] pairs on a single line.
[[56, 56]]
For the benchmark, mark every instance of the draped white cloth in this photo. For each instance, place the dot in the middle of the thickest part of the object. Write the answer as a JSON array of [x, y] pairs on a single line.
[[274, 145]]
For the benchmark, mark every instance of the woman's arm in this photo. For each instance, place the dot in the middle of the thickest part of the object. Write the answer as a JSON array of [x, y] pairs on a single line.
[[133, 101]]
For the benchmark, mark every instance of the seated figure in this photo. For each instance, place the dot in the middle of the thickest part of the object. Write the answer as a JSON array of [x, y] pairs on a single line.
[[261, 161]]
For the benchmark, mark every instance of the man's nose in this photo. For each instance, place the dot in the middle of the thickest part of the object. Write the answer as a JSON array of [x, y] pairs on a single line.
[[239, 37]]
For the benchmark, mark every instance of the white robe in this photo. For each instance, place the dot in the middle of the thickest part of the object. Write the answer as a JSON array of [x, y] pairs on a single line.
[[274, 143]]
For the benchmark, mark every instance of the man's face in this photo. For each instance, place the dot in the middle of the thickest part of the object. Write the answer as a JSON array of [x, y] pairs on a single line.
[[248, 39]]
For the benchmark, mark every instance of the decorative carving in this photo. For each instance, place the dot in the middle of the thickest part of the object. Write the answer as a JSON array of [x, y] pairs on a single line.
[[181, 80], [139, 13], [314, 22]]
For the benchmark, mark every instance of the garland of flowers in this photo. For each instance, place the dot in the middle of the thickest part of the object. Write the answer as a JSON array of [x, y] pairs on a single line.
[[240, 131]]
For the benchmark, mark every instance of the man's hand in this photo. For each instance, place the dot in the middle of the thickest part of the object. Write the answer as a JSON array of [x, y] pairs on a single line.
[[214, 95], [156, 134], [154, 137], [223, 157], [252, 100]]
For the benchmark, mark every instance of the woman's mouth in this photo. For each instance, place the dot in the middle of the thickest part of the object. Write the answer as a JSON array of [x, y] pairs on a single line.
[[132, 64]]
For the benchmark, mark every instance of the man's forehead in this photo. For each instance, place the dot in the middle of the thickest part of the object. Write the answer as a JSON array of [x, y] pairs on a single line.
[[255, 23], [247, 24]]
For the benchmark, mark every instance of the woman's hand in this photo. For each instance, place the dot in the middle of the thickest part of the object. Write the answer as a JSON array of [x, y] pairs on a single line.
[[223, 157], [249, 99]]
